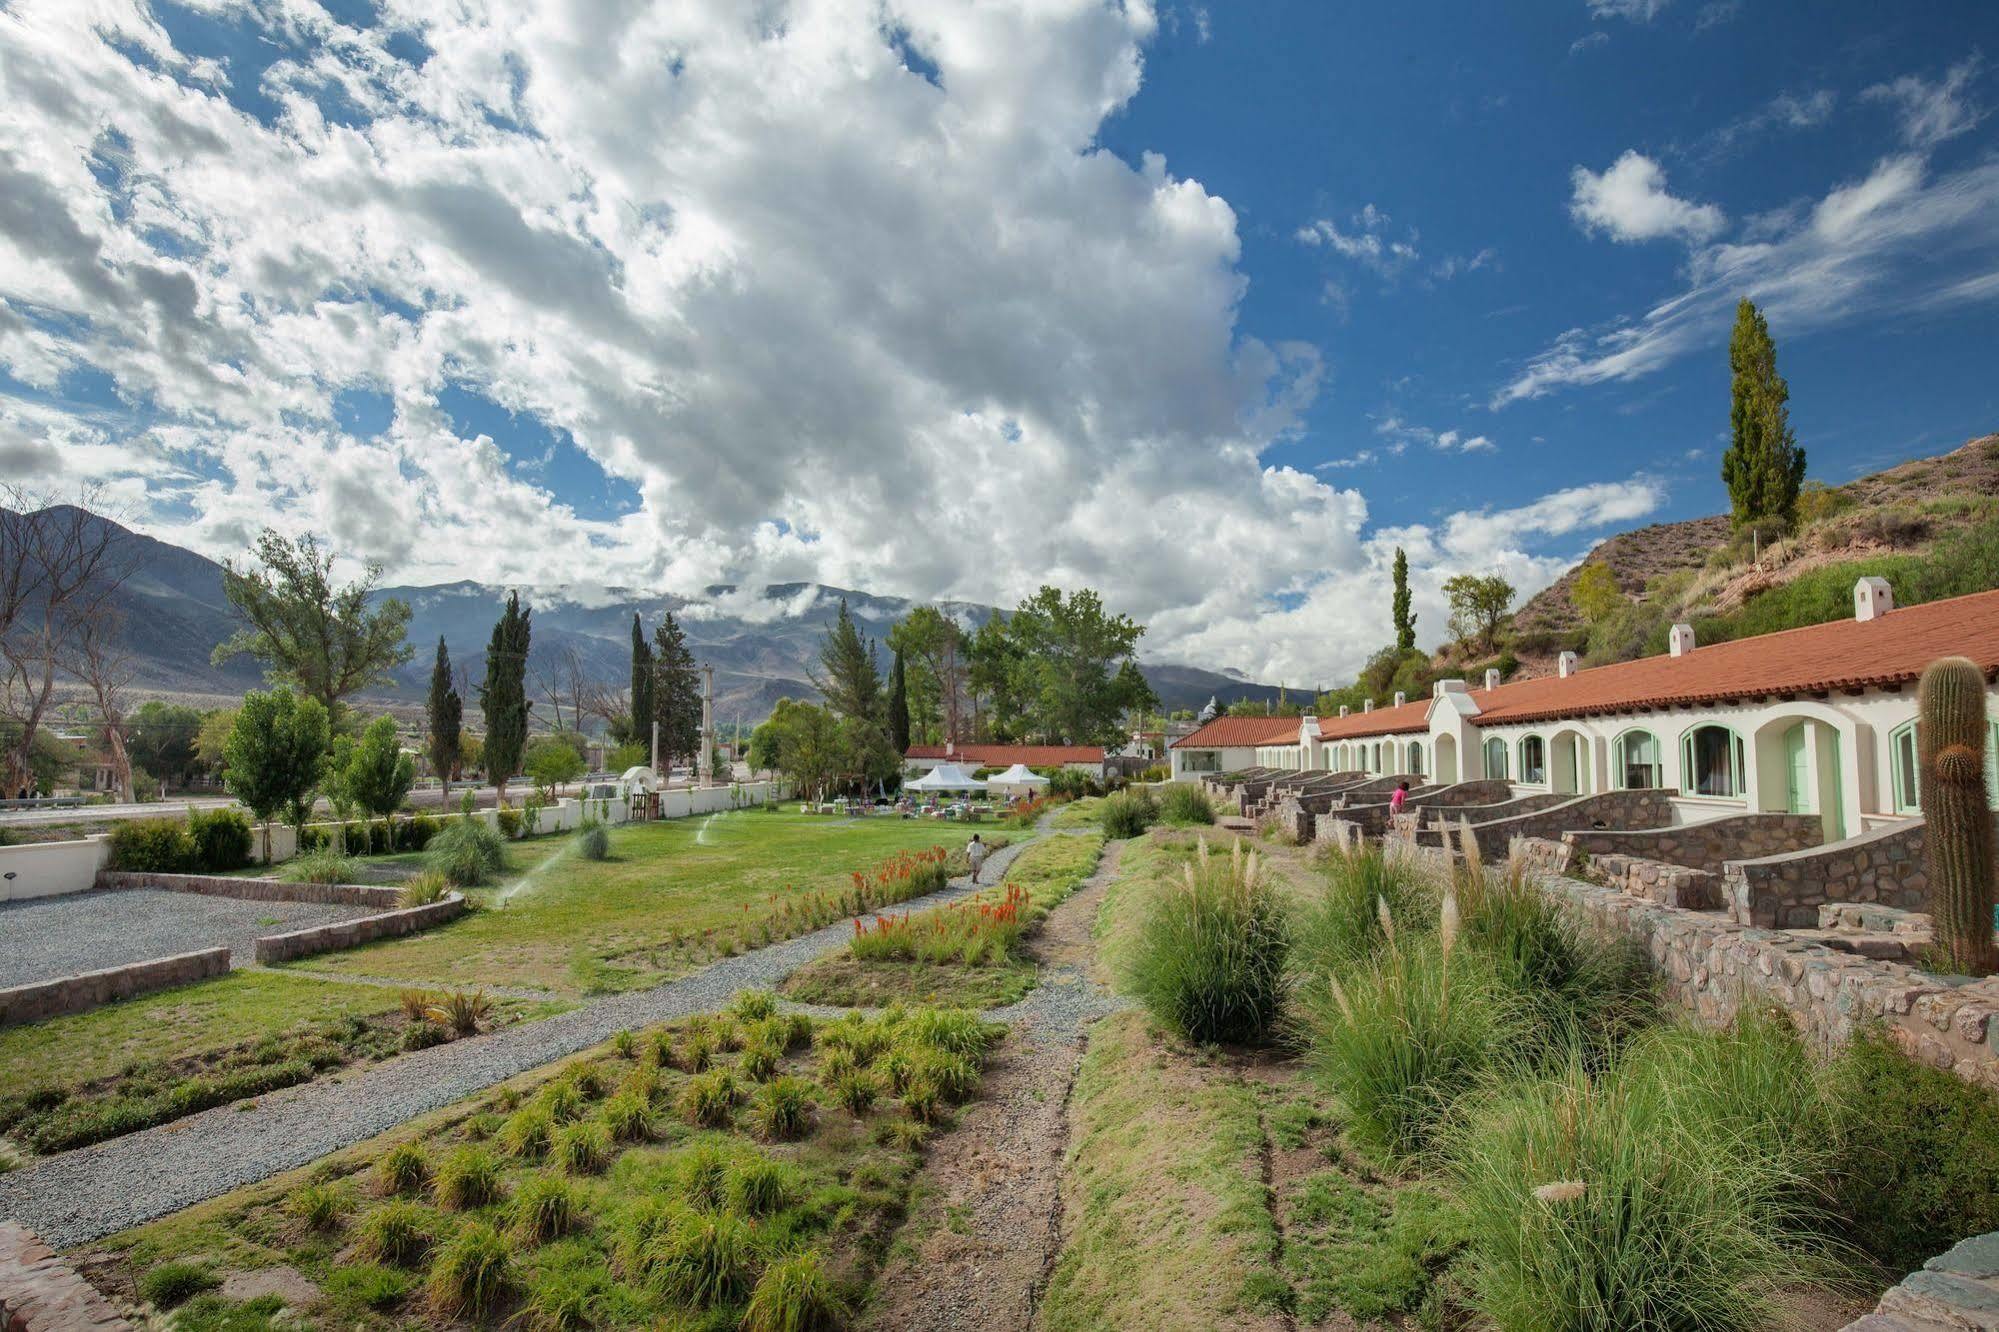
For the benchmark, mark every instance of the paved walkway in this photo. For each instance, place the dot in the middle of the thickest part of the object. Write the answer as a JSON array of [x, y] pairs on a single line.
[[50, 937], [95, 1191]]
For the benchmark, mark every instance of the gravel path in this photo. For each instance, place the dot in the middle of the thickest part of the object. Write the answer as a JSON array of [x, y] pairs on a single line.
[[61, 936], [95, 1191]]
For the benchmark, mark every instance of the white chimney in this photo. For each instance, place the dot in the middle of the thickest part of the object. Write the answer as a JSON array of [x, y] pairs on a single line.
[[1565, 665], [1343, 709], [1492, 677], [1681, 640], [1367, 705], [1400, 698], [1450, 687], [1872, 598], [949, 745]]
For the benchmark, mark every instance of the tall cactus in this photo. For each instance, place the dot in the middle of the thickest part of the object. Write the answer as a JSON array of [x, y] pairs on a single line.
[[1958, 838]]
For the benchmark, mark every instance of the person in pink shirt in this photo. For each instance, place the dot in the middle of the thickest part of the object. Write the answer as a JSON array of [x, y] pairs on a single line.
[[1395, 801]]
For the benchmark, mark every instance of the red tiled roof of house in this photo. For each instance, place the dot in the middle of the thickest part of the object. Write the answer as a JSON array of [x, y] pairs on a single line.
[[1241, 733], [1382, 721], [1842, 654], [1005, 756]]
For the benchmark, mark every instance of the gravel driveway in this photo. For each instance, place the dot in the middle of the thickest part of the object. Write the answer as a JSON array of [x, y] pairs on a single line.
[[95, 1191], [48, 937]]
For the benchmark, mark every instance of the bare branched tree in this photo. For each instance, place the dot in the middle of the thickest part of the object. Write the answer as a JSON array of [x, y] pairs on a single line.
[[560, 678], [61, 566], [97, 657]]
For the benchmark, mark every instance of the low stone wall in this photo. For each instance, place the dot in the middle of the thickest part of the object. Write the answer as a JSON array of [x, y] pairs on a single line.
[[1958, 1289], [274, 948], [1616, 809], [1433, 829], [257, 890], [1886, 866], [1660, 881], [1707, 845], [76, 994], [39, 1292]]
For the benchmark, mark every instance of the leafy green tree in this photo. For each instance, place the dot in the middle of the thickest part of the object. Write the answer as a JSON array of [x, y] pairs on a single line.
[[335, 774], [898, 705], [676, 694], [933, 650], [1763, 466], [161, 738], [503, 694], [642, 689], [806, 745], [628, 756], [552, 761], [211, 742], [1479, 603], [1067, 645], [848, 675], [997, 676], [444, 713], [379, 774], [763, 752], [321, 638], [1136, 698], [1405, 619], [272, 760], [1595, 593]]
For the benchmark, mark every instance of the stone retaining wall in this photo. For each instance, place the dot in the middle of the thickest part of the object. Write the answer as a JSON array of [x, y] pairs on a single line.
[[1706, 845], [1885, 866], [290, 947], [1432, 830], [39, 1292], [76, 994], [1616, 809], [257, 890], [1958, 1289]]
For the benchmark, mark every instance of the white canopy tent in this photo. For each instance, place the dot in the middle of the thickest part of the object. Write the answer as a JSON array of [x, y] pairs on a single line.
[[1017, 780], [946, 777]]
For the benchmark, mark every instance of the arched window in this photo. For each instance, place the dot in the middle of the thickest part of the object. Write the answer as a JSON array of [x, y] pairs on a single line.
[[1533, 760], [1712, 762], [1377, 759], [1415, 759], [1495, 758], [1634, 761]]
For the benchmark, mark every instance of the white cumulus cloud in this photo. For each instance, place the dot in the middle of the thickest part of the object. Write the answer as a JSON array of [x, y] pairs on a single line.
[[1629, 202]]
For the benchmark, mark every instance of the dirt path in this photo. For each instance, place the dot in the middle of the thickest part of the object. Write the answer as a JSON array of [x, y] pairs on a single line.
[[978, 1245]]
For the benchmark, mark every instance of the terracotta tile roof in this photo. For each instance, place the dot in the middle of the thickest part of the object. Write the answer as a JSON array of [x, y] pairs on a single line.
[[1005, 756], [1241, 733], [1839, 655], [1382, 721]]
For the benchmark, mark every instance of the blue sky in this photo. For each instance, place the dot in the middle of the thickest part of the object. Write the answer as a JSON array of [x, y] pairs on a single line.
[[1211, 307]]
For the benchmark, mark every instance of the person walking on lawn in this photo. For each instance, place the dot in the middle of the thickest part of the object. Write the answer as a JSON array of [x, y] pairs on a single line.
[[975, 851]]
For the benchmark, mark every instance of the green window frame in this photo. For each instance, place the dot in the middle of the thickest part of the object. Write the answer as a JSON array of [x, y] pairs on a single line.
[[1533, 760], [1624, 762], [1702, 748], [1415, 758], [1495, 758]]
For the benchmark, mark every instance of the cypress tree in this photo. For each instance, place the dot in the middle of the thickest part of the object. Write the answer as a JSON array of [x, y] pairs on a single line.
[[848, 675], [676, 693], [1764, 467], [898, 706], [503, 694], [642, 689], [444, 710], [1405, 620]]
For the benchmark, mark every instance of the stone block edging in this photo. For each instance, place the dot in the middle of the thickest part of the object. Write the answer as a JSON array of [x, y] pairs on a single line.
[[39, 1292], [1956, 1289], [256, 890], [274, 948], [90, 989]]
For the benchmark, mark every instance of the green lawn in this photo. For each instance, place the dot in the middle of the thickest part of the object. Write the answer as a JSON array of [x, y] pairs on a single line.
[[573, 927]]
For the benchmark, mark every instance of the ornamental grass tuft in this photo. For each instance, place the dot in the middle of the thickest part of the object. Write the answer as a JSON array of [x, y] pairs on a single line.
[[1209, 961]]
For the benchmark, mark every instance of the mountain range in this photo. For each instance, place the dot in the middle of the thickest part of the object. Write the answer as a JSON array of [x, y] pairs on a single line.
[[761, 642]]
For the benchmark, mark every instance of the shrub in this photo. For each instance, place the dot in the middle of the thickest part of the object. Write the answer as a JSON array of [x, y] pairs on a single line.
[[469, 1178], [753, 1005], [706, 1259], [1209, 961], [1185, 803], [1342, 926], [708, 1098], [700, 1171], [528, 1133], [402, 1169], [583, 1149], [422, 890], [755, 1185], [697, 1051], [760, 1059], [423, 1035], [783, 1109], [171, 1283], [509, 820], [396, 1233], [563, 1300], [472, 1273], [415, 832], [152, 846], [319, 867], [628, 1116], [1591, 1204], [467, 853], [544, 1209], [317, 1206], [368, 1285], [1917, 1166], [461, 1012], [1128, 813], [795, 1295], [954, 1030], [1753, 1084], [593, 840], [220, 839], [562, 1098], [1403, 1036], [854, 1088]]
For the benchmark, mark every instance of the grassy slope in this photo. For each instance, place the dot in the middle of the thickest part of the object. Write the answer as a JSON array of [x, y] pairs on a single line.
[[579, 926], [1048, 871]]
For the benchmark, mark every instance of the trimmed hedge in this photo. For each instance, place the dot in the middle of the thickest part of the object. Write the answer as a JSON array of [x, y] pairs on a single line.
[[206, 842]]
